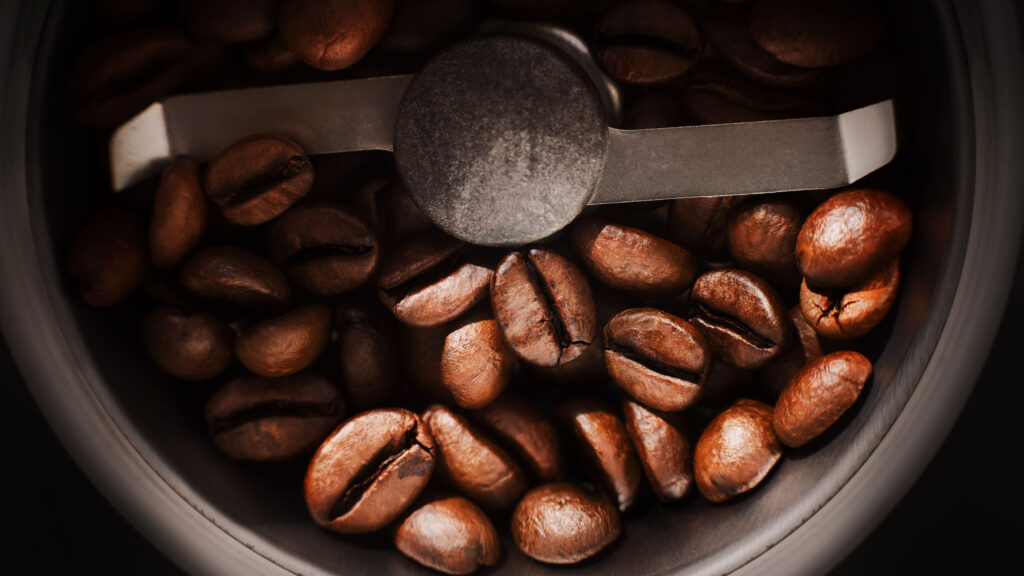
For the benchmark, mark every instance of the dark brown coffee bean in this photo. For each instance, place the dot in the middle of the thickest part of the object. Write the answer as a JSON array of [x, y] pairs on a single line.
[[325, 249], [270, 419], [654, 109], [807, 346], [812, 34], [472, 463], [657, 358], [179, 214], [564, 523], [852, 235], [851, 313], [188, 346], [736, 451], [421, 350], [762, 238], [544, 307], [285, 344], [524, 430], [107, 257], [367, 349], [234, 276], [647, 41], [333, 34], [663, 449], [369, 471], [258, 178], [631, 260], [419, 25], [698, 224], [476, 364], [449, 534], [426, 282], [602, 440], [229, 21], [818, 395]]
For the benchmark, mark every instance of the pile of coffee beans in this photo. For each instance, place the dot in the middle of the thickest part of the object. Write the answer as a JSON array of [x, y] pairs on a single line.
[[433, 386]]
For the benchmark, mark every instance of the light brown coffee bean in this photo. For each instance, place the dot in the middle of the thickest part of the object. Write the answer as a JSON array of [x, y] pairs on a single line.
[[806, 346], [333, 34], [285, 344], [662, 448], [762, 238], [449, 534], [564, 523], [179, 214], [851, 313], [526, 432], [736, 451], [476, 364], [818, 395]]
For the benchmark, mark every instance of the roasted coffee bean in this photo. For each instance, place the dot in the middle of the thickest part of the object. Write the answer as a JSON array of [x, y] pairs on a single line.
[[812, 34], [369, 471], [269, 419], [472, 463], [762, 238], [187, 346], [419, 26], [333, 34], [741, 316], [524, 430], [476, 364], [657, 358], [369, 361], [698, 224], [258, 178], [583, 371], [449, 534], [179, 214], [851, 313], [631, 260], [544, 306], [285, 344], [851, 236], [229, 21], [806, 346], [818, 395], [235, 276], [107, 257], [654, 109], [325, 249], [647, 41], [663, 450], [736, 451], [564, 523], [602, 440]]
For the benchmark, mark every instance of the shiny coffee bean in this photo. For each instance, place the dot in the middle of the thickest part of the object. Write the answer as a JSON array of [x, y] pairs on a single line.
[[564, 523], [427, 281], [544, 306], [813, 34], [258, 178], [851, 313], [324, 249], [333, 34], [419, 25], [178, 220], [852, 235], [736, 451], [367, 349], [647, 41], [741, 316], [698, 224], [472, 463], [657, 358], [631, 260], [270, 419], [285, 344], [663, 450], [187, 346], [762, 238], [107, 258], [476, 364], [229, 21], [602, 440], [806, 346], [818, 395], [369, 471], [234, 276], [449, 534], [526, 432]]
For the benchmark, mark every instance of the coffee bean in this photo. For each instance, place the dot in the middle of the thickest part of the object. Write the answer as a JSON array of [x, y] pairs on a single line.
[[325, 249], [472, 463], [762, 238], [663, 450], [107, 257], [234, 276], [369, 471], [229, 21], [812, 34], [333, 34], [602, 440], [818, 395], [647, 41], [188, 346], [698, 224], [564, 523], [270, 419], [852, 235], [851, 313], [807, 346], [179, 214], [736, 451], [258, 178], [544, 307], [419, 26], [715, 94], [285, 344], [657, 358], [449, 534], [476, 364], [524, 430], [367, 346]]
